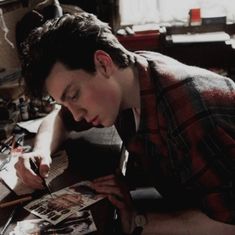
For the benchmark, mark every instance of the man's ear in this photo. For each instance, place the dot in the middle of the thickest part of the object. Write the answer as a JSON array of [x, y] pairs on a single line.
[[103, 63]]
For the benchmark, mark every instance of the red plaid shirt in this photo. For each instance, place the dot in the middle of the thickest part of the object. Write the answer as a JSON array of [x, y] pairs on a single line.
[[186, 138], [185, 143]]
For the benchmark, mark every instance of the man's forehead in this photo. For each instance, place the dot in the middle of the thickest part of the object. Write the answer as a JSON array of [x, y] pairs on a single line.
[[57, 81]]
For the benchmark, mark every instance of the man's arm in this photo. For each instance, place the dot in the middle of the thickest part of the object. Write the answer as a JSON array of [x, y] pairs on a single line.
[[181, 222], [187, 222], [51, 134]]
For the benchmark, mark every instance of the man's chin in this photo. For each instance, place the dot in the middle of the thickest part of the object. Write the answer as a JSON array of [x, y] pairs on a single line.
[[99, 126], [107, 124]]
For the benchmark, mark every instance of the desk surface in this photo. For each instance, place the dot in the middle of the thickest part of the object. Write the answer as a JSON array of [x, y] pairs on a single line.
[[88, 159]]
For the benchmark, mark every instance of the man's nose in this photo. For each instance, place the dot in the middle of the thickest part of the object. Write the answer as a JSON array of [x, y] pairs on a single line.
[[78, 113]]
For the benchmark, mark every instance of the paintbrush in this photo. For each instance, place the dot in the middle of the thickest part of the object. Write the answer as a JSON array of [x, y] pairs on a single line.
[[10, 218], [35, 168]]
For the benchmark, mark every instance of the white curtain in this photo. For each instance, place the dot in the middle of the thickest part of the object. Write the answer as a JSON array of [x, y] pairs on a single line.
[[155, 11], [138, 11]]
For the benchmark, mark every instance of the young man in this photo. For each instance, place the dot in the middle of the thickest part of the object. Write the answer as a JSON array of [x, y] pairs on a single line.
[[177, 121]]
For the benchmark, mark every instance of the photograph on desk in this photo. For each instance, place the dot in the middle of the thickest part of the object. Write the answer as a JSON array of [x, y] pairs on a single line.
[[61, 204], [77, 224]]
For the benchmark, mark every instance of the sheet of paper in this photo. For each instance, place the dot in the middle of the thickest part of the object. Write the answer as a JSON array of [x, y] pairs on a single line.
[[64, 202], [31, 125], [4, 191], [78, 223], [8, 174], [200, 37]]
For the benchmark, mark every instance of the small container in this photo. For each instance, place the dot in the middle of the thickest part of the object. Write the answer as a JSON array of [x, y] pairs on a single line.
[[195, 16], [23, 107]]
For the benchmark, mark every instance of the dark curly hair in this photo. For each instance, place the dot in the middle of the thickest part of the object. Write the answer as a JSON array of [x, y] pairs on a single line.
[[72, 40]]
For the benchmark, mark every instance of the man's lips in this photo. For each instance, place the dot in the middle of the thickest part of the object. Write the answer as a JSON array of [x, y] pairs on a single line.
[[94, 120]]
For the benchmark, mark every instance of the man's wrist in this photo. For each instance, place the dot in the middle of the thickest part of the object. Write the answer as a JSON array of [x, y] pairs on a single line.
[[137, 231], [139, 220]]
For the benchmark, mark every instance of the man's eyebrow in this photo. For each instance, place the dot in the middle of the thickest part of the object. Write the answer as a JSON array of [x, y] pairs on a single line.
[[63, 96]]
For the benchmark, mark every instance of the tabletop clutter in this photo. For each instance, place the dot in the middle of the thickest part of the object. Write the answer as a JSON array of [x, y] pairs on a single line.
[[59, 212], [62, 212]]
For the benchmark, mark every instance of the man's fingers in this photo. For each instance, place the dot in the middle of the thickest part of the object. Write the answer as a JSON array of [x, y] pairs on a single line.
[[109, 180], [44, 167], [44, 170], [31, 180], [104, 189], [104, 178], [116, 202], [110, 183], [26, 174]]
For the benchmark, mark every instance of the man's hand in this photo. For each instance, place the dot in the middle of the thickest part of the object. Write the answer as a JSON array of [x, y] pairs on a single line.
[[118, 194], [27, 175]]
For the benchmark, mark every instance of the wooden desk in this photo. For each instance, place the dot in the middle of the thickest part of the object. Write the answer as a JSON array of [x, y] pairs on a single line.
[[87, 161]]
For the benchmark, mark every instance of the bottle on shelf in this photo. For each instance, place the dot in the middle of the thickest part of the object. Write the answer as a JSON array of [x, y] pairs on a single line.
[[23, 107]]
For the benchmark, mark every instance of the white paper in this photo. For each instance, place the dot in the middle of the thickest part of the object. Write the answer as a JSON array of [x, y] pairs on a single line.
[[64, 202], [200, 37], [31, 126]]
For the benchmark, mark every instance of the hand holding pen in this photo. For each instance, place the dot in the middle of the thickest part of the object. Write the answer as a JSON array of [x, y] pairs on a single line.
[[25, 172], [30, 174], [35, 168]]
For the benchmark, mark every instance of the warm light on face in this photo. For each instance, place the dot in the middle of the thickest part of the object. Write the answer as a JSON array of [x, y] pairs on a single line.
[[93, 97]]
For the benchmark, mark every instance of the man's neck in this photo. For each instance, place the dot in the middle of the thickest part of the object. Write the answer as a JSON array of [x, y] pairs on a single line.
[[129, 84]]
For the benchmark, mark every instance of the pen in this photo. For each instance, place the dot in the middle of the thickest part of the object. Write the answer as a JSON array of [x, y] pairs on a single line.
[[35, 168], [15, 202], [6, 144], [10, 218]]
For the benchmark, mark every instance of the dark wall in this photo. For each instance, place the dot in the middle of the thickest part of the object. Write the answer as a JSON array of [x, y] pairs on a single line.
[[105, 10], [86, 5]]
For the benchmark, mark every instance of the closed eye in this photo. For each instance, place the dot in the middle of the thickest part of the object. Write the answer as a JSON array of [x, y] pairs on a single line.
[[74, 97]]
